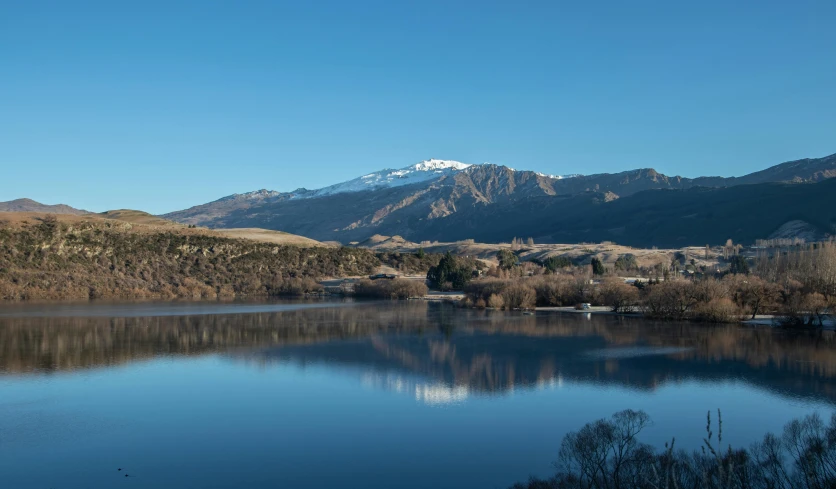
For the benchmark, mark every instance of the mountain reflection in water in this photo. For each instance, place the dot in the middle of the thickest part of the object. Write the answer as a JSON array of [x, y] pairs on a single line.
[[436, 352]]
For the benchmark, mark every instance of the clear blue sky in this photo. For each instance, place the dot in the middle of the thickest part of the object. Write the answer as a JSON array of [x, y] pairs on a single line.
[[160, 105]]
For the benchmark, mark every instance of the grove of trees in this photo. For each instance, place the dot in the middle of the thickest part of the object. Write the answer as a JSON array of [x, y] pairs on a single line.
[[452, 272], [799, 287]]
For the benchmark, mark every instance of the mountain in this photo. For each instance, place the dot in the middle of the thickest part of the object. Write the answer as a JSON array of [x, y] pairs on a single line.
[[663, 218], [29, 205], [420, 172], [425, 174], [798, 171], [443, 200], [386, 178], [629, 182], [350, 215]]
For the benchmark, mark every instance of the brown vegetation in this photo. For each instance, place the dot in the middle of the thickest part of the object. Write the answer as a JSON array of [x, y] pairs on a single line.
[[526, 292], [618, 295], [813, 266], [798, 286], [410, 263], [501, 294], [95, 258], [390, 289]]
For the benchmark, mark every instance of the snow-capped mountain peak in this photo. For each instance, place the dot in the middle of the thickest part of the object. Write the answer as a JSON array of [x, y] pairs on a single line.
[[436, 165], [419, 172], [423, 171]]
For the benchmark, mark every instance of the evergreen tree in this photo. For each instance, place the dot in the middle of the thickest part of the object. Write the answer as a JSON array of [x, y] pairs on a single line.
[[739, 265], [507, 259], [449, 271], [597, 267]]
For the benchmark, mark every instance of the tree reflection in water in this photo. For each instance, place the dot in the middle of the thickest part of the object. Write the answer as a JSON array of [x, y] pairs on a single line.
[[443, 351]]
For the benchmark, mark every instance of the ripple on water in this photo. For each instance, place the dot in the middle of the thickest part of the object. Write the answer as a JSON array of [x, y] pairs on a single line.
[[635, 351]]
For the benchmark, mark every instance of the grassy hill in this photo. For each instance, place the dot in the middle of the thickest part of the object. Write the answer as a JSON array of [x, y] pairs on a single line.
[[78, 257], [254, 234], [29, 205]]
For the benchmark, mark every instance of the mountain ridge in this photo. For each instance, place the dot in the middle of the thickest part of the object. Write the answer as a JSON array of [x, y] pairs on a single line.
[[448, 204], [449, 200], [29, 205], [825, 167]]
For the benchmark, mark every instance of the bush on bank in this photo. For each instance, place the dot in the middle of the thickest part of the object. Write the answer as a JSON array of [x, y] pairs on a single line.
[[390, 289], [729, 299], [607, 454]]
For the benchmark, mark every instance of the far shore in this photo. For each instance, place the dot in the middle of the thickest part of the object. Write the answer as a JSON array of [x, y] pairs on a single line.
[[759, 320]]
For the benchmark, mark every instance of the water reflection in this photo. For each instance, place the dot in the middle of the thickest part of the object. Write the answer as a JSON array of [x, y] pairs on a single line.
[[438, 353], [428, 393]]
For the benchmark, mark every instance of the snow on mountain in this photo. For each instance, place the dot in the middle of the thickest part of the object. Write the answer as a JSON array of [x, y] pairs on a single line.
[[262, 194], [559, 177], [419, 172]]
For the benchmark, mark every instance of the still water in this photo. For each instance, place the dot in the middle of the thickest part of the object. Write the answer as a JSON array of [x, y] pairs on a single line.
[[366, 395]]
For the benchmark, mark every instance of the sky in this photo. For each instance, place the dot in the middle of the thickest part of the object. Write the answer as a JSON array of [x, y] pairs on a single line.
[[161, 105]]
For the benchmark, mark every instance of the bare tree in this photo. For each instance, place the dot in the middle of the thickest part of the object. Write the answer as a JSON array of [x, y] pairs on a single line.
[[754, 293], [618, 295]]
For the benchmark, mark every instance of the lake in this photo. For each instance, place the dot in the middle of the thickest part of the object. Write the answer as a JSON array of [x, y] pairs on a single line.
[[366, 394]]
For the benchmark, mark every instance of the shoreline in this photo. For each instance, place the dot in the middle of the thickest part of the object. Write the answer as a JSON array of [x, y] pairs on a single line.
[[760, 320]]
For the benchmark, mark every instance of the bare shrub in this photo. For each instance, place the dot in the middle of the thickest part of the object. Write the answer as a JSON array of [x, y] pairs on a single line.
[[390, 289], [754, 294], [815, 304], [562, 290], [519, 296], [709, 289], [484, 288], [718, 310], [290, 286], [607, 454], [672, 299], [619, 296], [496, 301], [555, 290]]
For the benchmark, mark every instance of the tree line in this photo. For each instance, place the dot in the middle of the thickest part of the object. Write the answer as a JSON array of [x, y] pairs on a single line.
[[798, 286]]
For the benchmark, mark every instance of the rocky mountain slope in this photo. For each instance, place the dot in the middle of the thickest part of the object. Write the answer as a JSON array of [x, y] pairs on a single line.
[[442, 200], [663, 218]]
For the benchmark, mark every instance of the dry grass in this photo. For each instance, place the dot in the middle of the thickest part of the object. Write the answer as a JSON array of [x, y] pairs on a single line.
[[139, 217], [138, 221], [582, 253], [268, 236]]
